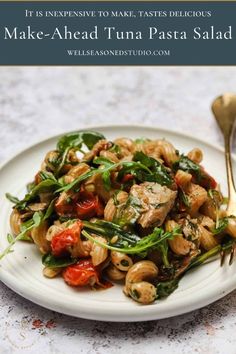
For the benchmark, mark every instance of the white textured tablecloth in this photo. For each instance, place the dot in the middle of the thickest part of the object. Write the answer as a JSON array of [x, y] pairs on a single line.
[[36, 102]]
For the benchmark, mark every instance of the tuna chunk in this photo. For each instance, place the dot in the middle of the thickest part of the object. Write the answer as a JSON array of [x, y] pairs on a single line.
[[156, 201]]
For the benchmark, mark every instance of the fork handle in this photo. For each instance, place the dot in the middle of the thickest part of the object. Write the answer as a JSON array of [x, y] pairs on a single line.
[[231, 186]]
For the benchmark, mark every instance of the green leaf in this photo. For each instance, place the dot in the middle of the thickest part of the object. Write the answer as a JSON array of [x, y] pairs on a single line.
[[141, 246], [103, 161], [51, 261], [49, 210], [106, 178], [159, 173], [25, 228], [164, 248], [30, 186], [76, 139], [12, 199], [10, 238], [127, 213], [221, 225], [187, 165], [44, 186], [44, 175], [95, 171], [165, 288], [109, 230]]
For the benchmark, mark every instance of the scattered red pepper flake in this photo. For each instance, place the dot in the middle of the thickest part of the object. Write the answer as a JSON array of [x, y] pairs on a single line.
[[50, 324], [37, 324]]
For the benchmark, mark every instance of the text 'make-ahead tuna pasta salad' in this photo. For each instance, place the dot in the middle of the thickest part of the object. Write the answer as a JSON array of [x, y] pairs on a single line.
[[136, 212]]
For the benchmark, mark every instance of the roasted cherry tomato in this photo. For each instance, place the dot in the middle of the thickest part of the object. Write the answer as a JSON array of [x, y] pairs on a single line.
[[65, 204], [126, 178], [207, 181], [65, 239], [88, 205], [81, 274]]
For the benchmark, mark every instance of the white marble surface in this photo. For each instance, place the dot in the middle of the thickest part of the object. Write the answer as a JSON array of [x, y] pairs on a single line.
[[36, 102]]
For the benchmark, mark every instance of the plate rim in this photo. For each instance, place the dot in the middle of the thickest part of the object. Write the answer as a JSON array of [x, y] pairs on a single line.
[[8, 279]]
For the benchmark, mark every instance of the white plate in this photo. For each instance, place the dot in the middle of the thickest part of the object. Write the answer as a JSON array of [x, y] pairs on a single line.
[[22, 270]]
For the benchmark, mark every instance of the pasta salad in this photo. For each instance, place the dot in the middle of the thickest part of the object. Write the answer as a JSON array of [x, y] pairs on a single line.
[[136, 212]]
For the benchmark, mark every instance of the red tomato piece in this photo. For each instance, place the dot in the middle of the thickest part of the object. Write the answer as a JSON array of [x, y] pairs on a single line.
[[128, 177], [65, 239], [81, 274], [207, 181], [65, 204], [88, 205]]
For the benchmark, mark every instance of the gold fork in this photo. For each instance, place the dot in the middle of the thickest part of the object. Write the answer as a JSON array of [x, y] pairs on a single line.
[[224, 110]]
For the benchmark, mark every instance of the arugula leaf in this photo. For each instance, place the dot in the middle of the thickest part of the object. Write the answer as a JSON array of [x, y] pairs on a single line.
[[25, 228], [108, 167], [221, 225], [77, 139], [103, 161], [44, 175], [142, 246], [209, 254], [10, 238], [165, 288], [106, 178], [159, 173], [164, 248], [187, 165], [30, 186], [44, 186], [109, 230], [127, 213], [51, 261], [50, 209], [12, 199]]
